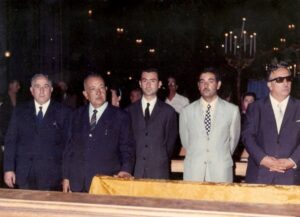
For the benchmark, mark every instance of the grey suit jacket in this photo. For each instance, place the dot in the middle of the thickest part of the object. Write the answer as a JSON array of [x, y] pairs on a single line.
[[208, 158]]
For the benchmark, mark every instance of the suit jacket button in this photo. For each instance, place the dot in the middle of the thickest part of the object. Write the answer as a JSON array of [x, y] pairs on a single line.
[[146, 146], [146, 134], [90, 135], [144, 158]]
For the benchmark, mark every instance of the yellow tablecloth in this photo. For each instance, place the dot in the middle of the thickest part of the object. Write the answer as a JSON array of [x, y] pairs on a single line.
[[243, 193]]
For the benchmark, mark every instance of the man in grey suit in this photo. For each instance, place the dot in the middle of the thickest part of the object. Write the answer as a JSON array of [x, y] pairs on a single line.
[[272, 133], [209, 131], [155, 130]]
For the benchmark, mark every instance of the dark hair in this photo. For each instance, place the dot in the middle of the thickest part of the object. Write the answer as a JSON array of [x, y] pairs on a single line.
[[213, 71], [249, 94], [149, 70], [273, 67], [92, 75]]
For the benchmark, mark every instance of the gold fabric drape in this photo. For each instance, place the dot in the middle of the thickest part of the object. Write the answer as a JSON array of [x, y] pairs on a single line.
[[244, 193]]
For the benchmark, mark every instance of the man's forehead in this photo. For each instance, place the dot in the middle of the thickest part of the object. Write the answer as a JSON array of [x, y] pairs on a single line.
[[152, 75], [95, 81], [41, 80], [207, 75], [280, 71]]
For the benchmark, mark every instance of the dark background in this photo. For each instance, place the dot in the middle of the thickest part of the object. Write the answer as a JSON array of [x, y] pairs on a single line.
[[62, 39]]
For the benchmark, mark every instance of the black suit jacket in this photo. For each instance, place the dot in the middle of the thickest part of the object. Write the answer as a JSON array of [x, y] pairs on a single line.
[[155, 140], [106, 150], [39, 147]]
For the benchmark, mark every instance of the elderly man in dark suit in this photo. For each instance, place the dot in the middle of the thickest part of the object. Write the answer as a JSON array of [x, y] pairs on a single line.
[[155, 130], [272, 133], [35, 140], [101, 140]]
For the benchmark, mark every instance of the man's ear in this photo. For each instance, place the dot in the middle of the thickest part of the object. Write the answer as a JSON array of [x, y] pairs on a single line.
[[159, 84], [85, 94], [31, 90], [219, 85]]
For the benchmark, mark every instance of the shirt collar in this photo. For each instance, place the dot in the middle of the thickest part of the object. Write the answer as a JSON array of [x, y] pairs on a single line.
[[99, 109], [152, 102], [44, 106], [205, 103], [282, 104]]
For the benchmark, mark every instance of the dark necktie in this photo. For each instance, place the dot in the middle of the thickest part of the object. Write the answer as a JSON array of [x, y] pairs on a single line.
[[147, 112], [93, 120], [207, 120], [40, 115]]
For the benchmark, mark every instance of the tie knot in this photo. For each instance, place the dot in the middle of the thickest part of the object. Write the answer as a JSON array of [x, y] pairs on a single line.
[[95, 111], [41, 108], [208, 106], [148, 105]]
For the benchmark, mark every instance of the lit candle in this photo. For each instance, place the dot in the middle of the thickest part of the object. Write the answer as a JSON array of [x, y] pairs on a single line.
[[226, 41], [234, 45], [254, 43], [251, 42], [230, 41], [243, 26], [245, 41]]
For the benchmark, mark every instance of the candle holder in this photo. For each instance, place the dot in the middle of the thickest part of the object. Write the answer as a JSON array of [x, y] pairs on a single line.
[[239, 53]]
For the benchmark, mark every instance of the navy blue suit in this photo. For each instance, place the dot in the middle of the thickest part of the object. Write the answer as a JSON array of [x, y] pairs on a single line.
[[261, 138], [37, 149], [155, 140], [106, 150]]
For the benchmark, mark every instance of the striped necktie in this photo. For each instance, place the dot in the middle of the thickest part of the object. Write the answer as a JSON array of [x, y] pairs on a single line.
[[93, 120]]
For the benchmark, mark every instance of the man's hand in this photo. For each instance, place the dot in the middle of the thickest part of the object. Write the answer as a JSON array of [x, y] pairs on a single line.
[[286, 163], [273, 164], [123, 174], [66, 186], [10, 179]]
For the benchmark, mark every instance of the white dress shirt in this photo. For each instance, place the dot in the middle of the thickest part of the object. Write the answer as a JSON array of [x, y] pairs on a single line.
[[277, 106], [178, 102], [44, 107], [99, 113], [152, 104], [204, 104]]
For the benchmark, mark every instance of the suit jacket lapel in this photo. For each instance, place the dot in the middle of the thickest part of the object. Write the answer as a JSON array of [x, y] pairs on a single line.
[[269, 114], [199, 117], [289, 111], [156, 109]]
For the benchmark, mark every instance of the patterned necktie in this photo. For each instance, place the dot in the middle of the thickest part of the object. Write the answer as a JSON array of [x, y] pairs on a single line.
[[40, 115], [207, 120], [93, 120], [147, 112]]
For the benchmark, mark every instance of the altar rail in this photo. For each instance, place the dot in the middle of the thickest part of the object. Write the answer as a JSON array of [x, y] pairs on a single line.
[[22, 203]]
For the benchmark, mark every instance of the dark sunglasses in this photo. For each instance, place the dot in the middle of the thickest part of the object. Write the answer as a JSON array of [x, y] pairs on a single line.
[[281, 79]]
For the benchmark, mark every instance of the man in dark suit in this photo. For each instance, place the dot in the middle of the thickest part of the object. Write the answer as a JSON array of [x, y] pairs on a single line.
[[155, 130], [272, 133], [101, 140], [35, 140]]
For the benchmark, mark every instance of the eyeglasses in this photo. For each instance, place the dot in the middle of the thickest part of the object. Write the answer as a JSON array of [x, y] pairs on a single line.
[[281, 79]]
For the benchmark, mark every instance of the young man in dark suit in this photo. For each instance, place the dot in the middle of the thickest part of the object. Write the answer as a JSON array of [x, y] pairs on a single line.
[[101, 140], [35, 140], [272, 133], [155, 130]]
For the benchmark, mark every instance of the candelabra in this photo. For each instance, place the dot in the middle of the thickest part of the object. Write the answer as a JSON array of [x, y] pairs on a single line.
[[240, 52]]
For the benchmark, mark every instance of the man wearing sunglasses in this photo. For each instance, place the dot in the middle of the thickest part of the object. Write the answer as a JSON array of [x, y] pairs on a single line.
[[272, 133]]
